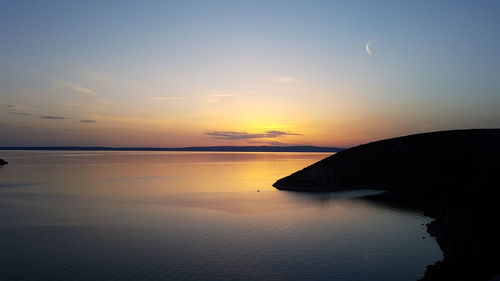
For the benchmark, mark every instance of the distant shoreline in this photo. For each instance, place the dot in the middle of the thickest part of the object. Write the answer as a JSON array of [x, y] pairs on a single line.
[[193, 148]]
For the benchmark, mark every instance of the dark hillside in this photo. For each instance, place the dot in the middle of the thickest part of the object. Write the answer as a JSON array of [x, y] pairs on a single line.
[[452, 176]]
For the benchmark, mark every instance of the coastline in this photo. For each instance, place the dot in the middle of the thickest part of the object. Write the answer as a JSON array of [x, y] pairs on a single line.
[[449, 176], [459, 231]]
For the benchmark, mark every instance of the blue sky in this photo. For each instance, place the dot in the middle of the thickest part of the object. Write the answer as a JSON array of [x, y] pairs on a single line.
[[175, 73]]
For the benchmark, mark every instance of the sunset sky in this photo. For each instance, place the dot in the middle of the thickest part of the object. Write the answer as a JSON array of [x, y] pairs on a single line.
[[196, 73]]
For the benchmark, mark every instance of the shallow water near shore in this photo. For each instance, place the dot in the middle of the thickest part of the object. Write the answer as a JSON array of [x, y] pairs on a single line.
[[69, 215]]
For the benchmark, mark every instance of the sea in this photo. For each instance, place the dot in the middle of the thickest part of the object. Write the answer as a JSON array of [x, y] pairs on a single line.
[[111, 215]]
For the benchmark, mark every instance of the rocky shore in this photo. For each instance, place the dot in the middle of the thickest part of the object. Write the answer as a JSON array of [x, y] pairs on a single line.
[[450, 176]]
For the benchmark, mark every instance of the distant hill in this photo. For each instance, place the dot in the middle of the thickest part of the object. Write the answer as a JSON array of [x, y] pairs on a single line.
[[194, 148]]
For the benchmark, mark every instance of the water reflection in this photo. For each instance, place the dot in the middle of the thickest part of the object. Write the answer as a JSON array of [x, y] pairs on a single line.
[[194, 216], [258, 202]]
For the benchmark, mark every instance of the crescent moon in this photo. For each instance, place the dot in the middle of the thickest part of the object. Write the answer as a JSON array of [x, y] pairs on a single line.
[[367, 48], [368, 44]]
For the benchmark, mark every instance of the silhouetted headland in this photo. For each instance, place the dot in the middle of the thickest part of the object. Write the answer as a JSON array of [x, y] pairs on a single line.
[[451, 176], [193, 148], [3, 162]]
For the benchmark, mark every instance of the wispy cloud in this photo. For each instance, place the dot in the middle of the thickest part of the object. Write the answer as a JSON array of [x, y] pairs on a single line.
[[217, 96], [88, 121], [167, 99], [281, 133], [225, 95], [20, 113], [75, 87], [284, 79], [52, 117], [211, 99], [234, 135], [14, 106]]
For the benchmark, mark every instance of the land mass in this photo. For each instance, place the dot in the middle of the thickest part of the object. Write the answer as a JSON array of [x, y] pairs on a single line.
[[3, 162], [193, 148], [451, 176]]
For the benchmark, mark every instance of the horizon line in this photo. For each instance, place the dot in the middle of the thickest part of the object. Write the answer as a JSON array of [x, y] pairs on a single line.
[[234, 148]]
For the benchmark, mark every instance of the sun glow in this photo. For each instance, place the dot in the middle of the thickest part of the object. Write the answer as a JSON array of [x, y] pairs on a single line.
[[226, 78]]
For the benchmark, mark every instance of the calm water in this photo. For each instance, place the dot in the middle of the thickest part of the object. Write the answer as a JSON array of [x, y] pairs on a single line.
[[194, 216]]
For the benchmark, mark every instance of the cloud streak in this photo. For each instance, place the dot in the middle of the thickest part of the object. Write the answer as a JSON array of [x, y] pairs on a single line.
[[234, 135], [52, 117], [216, 97], [87, 121], [166, 99], [284, 79], [20, 113], [14, 106], [76, 87], [225, 95]]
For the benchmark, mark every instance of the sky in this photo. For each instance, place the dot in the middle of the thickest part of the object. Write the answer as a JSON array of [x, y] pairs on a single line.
[[199, 73]]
